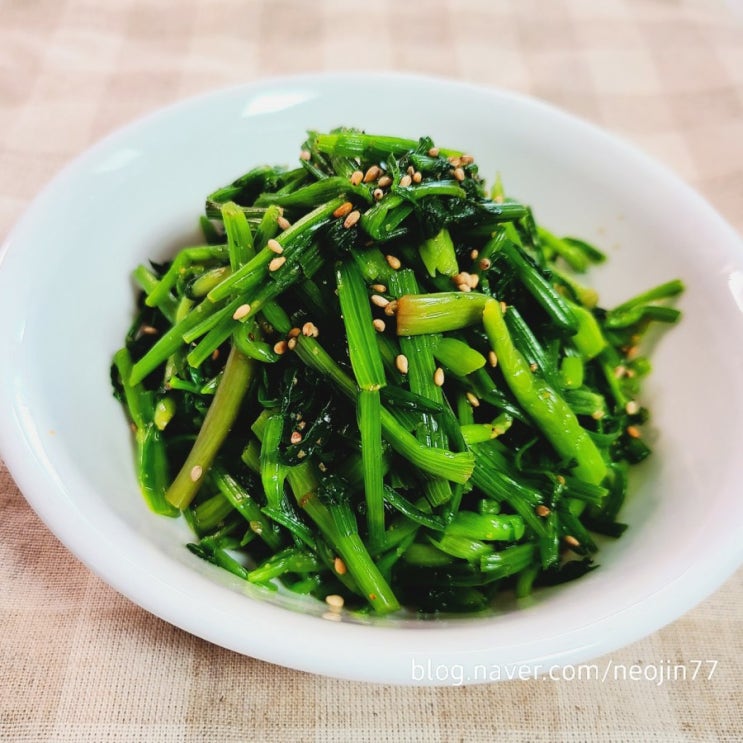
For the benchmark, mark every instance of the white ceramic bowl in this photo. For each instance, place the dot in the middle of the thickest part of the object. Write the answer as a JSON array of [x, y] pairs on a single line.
[[66, 301]]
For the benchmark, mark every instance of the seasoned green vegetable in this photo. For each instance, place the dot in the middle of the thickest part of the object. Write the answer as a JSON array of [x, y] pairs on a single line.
[[376, 385]]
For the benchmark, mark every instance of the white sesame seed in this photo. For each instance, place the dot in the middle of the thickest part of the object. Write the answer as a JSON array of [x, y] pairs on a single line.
[[393, 262], [356, 177], [291, 344], [379, 288], [332, 616], [391, 308], [438, 377], [379, 325], [242, 311], [196, 472], [276, 263], [352, 218], [379, 301], [484, 264], [274, 246], [310, 330], [458, 174], [405, 181], [632, 407], [372, 174], [492, 359], [433, 152], [384, 181], [378, 194], [466, 160], [474, 253], [344, 209], [283, 223], [472, 400], [401, 362], [334, 600]]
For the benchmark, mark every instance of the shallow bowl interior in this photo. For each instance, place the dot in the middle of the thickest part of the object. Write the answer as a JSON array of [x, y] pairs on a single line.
[[66, 301]]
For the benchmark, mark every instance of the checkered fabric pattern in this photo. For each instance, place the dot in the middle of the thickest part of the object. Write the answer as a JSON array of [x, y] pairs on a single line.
[[81, 663]]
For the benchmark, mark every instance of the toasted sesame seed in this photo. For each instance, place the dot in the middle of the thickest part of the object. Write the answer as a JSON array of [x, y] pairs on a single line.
[[339, 566], [379, 301], [242, 311], [296, 437], [351, 219], [196, 472], [215, 354], [334, 600], [405, 181], [304, 155], [391, 308], [632, 407], [473, 400], [379, 288], [438, 377], [571, 541], [458, 174], [484, 264], [417, 176], [464, 287], [542, 510], [283, 222], [474, 253], [433, 152], [310, 330], [276, 263], [379, 325], [597, 415], [466, 160], [401, 362], [461, 278], [633, 432], [474, 280], [275, 246], [393, 262], [454, 160], [560, 479], [384, 181], [356, 177], [148, 330], [633, 352], [378, 194], [291, 344], [345, 208], [619, 371], [294, 332], [372, 174], [503, 307], [492, 359], [280, 348]]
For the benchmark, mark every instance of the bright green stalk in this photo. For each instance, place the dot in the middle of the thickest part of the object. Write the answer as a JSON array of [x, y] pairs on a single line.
[[546, 408], [366, 360], [238, 373], [438, 313], [369, 412]]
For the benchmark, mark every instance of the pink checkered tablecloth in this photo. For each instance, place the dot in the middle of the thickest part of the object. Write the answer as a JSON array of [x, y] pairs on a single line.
[[81, 663]]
